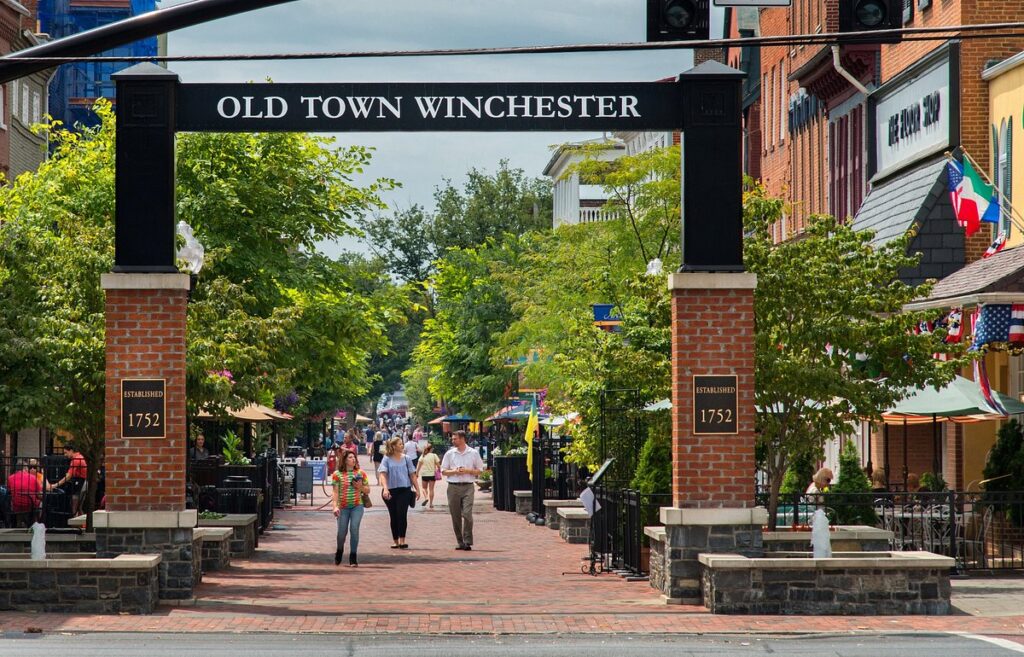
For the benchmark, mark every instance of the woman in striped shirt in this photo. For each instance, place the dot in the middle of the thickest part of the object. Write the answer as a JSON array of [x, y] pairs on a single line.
[[348, 485]]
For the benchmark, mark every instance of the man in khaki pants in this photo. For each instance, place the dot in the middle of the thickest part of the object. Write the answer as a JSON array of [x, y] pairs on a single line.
[[461, 464]]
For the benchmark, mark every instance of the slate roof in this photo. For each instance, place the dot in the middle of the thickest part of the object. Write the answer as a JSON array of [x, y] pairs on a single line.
[[1002, 272], [892, 207]]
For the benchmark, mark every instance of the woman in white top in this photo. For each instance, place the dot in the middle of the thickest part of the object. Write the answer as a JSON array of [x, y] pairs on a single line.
[[428, 472]]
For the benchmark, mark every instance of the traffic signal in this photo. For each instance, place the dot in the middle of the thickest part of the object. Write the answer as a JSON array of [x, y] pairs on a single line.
[[868, 16], [678, 20]]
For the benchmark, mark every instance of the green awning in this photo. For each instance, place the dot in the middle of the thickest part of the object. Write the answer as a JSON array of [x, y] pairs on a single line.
[[961, 397]]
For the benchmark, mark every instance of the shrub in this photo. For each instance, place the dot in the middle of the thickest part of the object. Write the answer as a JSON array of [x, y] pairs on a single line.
[[849, 498], [798, 475], [1005, 468]]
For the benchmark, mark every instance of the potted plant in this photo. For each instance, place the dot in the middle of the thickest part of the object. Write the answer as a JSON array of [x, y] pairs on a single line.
[[483, 481]]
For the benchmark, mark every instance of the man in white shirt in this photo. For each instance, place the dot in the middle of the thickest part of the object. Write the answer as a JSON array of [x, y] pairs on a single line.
[[461, 464], [412, 450]]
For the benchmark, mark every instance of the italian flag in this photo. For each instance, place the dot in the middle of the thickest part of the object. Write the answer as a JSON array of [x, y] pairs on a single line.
[[973, 200]]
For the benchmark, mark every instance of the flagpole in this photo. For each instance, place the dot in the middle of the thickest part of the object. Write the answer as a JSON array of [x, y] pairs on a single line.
[[1002, 198]]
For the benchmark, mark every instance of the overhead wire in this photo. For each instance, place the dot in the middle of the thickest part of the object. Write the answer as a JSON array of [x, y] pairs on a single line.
[[940, 33]]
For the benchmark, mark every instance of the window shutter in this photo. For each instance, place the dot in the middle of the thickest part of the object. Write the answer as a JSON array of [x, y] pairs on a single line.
[[908, 11], [1008, 181], [924, 4]]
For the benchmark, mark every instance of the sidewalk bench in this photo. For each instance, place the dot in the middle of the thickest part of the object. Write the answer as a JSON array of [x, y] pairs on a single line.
[[524, 501], [216, 547], [573, 525], [243, 538], [551, 508]]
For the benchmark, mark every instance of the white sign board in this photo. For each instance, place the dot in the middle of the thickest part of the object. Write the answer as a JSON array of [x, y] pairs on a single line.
[[913, 119], [753, 3]]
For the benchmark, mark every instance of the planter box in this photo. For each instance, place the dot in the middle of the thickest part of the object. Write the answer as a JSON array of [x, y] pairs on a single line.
[[510, 475]]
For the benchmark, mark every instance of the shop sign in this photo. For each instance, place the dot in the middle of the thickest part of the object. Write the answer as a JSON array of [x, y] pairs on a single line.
[[714, 405], [143, 408], [914, 118]]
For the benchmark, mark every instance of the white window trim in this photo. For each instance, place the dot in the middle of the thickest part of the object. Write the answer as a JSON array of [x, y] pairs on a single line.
[[3, 106]]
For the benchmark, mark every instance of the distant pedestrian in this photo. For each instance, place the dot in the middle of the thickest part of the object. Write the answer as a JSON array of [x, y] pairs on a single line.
[[429, 471], [400, 489], [461, 464], [412, 450], [348, 485]]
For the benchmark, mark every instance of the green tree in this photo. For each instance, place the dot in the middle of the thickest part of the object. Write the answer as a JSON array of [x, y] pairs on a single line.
[[829, 311], [489, 207], [403, 242], [268, 309]]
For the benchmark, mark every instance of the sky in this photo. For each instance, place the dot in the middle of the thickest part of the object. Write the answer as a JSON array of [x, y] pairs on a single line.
[[421, 161]]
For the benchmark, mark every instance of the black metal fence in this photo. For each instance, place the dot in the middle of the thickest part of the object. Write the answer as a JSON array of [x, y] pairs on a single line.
[[981, 530], [617, 527], [510, 475], [554, 478], [28, 492], [237, 488]]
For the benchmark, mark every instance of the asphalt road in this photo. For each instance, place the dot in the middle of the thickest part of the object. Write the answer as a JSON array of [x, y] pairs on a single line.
[[310, 645]]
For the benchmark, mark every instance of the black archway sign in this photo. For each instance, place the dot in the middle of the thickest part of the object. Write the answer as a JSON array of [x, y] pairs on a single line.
[[704, 103]]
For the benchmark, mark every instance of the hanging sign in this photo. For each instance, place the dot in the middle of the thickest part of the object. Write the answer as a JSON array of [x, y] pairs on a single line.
[[418, 106], [714, 405], [143, 408]]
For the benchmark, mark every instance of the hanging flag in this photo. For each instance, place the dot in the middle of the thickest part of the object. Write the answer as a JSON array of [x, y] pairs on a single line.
[[981, 378], [531, 428], [955, 325], [1017, 324], [973, 200], [993, 325], [996, 246]]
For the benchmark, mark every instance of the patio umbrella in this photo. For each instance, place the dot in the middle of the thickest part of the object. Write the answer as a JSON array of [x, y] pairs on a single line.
[[961, 398]]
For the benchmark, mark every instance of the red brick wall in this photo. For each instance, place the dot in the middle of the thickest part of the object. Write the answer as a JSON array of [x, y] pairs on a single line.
[[919, 451], [146, 339], [713, 333], [795, 167]]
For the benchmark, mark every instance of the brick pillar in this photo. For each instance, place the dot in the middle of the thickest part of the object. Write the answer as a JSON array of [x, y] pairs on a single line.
[[712, 333], [145, 489], [146, 339], [712, 475]]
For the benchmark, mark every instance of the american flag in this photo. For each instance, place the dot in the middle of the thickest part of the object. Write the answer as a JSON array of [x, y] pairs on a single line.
[[1001, 322], [996, 246]]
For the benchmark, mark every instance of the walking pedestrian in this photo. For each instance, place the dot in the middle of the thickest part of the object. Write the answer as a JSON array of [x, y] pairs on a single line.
[[400, 489], [349, 483], [461, 464], [429, 471]]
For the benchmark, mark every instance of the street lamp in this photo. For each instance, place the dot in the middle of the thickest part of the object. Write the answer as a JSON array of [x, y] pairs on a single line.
[[191, 254]]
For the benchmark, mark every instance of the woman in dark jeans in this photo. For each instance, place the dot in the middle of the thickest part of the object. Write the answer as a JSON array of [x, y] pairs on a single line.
[[400, 489]]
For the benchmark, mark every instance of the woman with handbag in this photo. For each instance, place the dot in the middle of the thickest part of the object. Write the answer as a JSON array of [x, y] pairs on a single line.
[[350, 494], [400, 487], [428, 472]]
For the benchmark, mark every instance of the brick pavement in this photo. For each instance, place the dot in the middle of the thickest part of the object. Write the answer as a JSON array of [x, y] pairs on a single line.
[[512, 582]]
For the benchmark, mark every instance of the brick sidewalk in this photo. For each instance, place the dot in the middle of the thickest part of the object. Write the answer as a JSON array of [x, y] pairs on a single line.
[[512, 582]]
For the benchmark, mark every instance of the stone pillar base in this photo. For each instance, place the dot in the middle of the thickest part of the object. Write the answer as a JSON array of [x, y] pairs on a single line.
[[167, 533], [691, 532]]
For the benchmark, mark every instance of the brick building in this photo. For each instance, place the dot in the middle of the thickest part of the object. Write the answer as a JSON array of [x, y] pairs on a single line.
[[23, 101], [861, 132]]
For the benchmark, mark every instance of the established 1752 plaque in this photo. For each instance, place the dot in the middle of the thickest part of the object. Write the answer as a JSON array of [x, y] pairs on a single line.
[[714, 405], [143, 408]]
